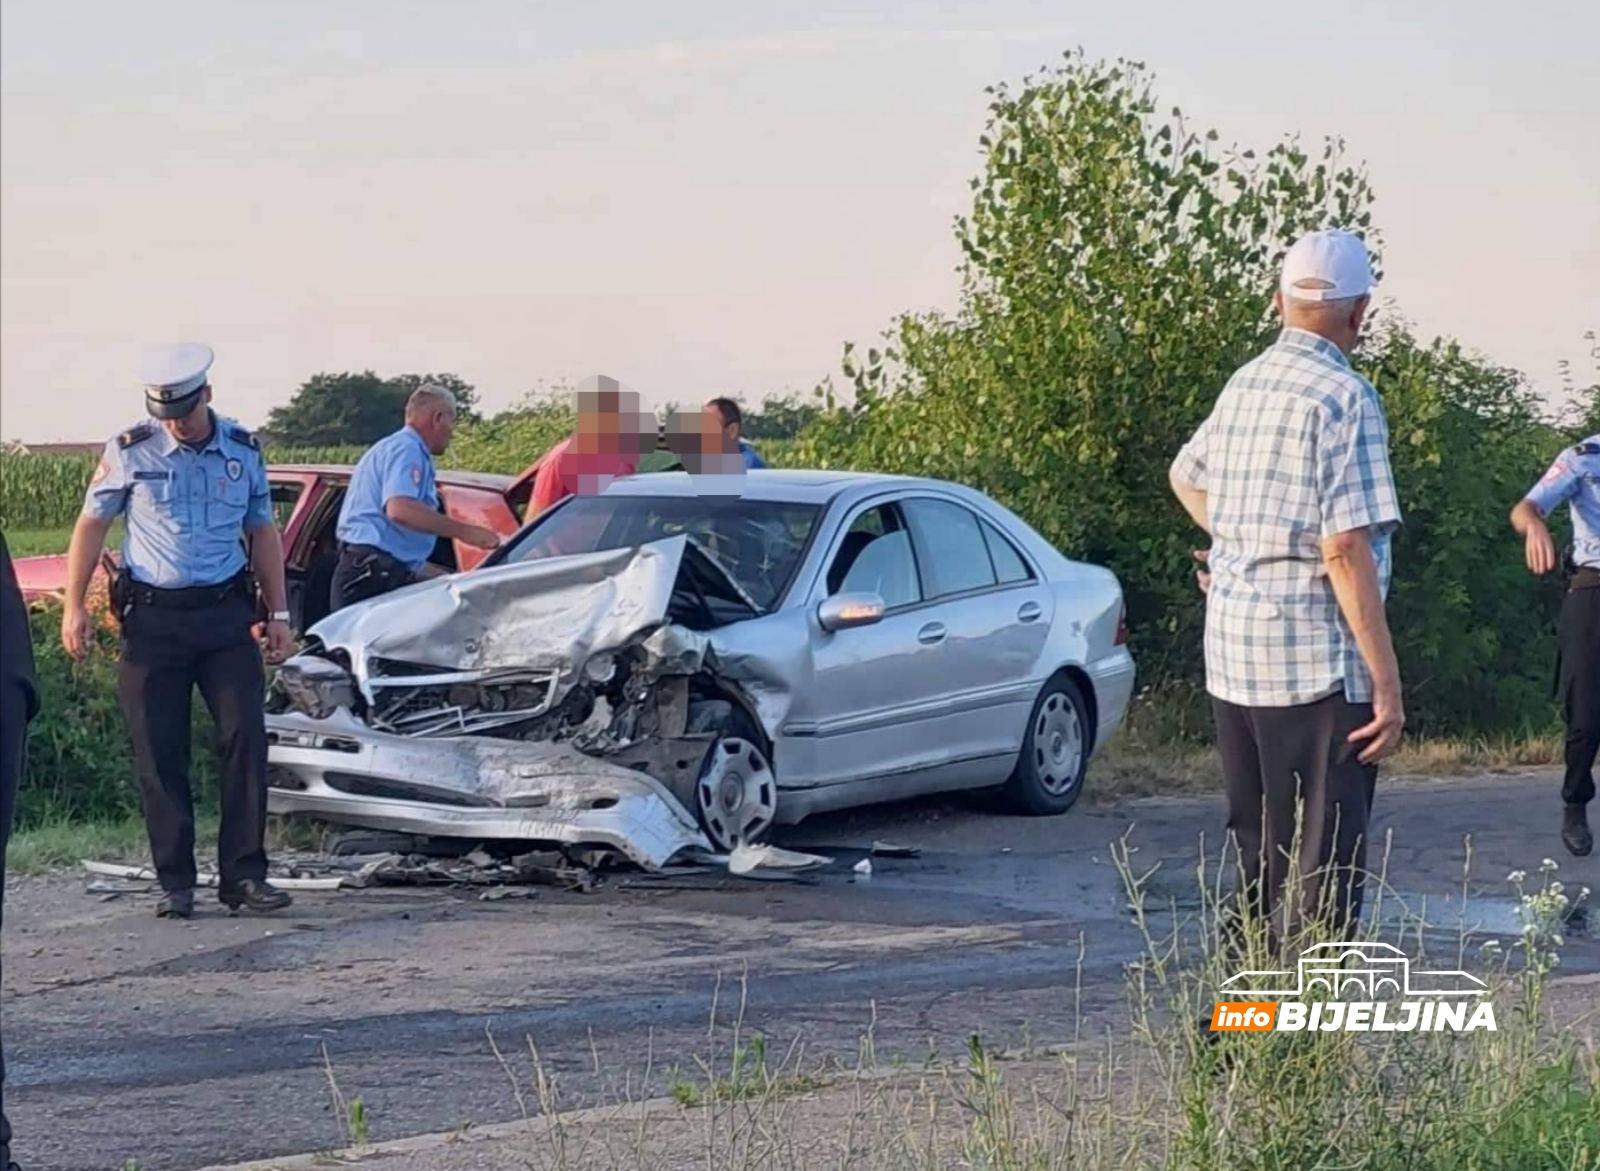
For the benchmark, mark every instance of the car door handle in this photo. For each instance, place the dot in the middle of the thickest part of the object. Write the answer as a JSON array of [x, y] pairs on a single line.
[[1029, 611], [931, 633]]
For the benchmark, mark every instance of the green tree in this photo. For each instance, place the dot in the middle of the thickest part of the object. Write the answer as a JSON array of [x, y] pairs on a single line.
[[1117, 268], [355, 408], [781, 416]]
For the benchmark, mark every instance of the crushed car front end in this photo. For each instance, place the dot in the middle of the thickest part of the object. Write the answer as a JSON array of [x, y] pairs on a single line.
[[567, 700]]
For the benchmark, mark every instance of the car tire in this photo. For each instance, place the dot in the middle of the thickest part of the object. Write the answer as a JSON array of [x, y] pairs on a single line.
[[1055, 752], [736, 795]]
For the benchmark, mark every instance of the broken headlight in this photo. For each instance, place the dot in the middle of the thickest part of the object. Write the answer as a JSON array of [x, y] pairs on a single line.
[[316, 687], [601, 668]]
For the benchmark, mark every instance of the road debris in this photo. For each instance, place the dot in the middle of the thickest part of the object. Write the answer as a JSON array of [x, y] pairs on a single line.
[[205, 878], [863, 868], [772, 862], [893, 850]]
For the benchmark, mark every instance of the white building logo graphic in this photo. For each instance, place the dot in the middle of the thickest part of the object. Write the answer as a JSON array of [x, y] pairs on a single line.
[[1353, 986]]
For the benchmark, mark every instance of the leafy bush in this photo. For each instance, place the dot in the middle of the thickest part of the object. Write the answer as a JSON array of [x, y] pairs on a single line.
[[1117, 271]]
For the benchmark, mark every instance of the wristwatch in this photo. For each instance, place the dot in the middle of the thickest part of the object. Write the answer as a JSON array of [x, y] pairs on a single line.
[[278, 616]]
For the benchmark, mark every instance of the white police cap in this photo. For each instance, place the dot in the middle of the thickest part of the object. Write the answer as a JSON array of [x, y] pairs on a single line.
[[173, 377]]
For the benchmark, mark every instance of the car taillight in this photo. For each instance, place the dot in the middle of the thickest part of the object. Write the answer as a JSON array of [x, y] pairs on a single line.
[[1122, 626]]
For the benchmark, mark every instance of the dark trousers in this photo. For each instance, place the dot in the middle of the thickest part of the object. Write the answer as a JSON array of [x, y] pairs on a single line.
[[1298, 808], [1580, 691], [13, 734], [165, 654], [365, 572]]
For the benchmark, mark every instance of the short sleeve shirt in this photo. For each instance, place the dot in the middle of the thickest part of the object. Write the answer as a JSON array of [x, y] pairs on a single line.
[[1574, 479], [564, 472], [1295, 450], [397, 465], [187, 509]]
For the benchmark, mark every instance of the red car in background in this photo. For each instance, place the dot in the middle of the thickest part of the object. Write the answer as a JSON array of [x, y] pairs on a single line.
[[305, 504]]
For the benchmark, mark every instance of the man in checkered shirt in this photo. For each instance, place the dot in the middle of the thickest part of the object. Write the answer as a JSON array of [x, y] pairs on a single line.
[[1290, 476]]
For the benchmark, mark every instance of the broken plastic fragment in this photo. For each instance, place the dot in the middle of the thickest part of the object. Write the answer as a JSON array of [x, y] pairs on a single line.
[[863, 868], [764, 861], [892, 850]]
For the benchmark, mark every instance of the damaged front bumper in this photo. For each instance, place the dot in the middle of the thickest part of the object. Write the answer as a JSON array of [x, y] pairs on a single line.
[[340, 770]]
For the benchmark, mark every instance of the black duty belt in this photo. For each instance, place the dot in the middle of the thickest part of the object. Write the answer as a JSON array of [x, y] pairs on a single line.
[[189, 597], [1586, 578]]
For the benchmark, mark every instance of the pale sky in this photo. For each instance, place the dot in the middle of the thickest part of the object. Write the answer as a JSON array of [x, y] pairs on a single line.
[[697, 197]]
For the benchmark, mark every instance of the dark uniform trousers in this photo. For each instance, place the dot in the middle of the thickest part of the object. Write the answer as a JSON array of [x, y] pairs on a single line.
[[1579, 642], [167, 652], [365, 571], [1299, 804]]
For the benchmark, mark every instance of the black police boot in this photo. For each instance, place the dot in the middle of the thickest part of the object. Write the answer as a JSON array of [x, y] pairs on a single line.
[[253, 894], [176, 904], [1575, 833]]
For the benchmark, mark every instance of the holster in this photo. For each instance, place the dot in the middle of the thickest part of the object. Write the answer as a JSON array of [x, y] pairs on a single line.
[[120, 594]]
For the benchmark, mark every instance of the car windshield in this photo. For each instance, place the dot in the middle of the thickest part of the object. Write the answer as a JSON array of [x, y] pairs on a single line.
[[757, 543]]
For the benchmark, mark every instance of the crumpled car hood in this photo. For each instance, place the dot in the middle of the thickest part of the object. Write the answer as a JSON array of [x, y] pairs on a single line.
[[550, 614]]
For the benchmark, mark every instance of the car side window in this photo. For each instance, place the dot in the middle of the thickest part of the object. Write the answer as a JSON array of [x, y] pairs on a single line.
[[285, 495], [1009, 566], [955, 557], [875, 555]]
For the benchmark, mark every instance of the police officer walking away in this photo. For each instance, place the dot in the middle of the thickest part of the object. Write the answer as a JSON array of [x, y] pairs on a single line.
[[1574, 478], [193, 491], [390, 518]]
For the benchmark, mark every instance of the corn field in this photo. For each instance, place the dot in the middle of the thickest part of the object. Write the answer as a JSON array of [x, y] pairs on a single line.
[[46, 491], [42, 491]]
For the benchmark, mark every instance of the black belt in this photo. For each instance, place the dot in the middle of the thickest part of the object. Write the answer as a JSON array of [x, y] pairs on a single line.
[[189, 597], [1586, 578], [367, 551]]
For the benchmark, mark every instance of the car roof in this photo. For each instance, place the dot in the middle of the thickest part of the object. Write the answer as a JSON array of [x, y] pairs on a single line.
[[489, 481], [779, 485]]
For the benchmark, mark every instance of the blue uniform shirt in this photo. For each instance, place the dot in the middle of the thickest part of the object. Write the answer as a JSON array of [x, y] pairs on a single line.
[[1575, 477], [187, 511], [396, 465], [752, 458]]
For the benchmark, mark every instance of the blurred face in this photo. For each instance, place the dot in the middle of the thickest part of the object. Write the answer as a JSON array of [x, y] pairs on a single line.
[[196, 425], [611, 421]]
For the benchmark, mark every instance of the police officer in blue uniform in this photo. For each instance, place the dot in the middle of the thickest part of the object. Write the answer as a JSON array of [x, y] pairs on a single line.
[[192, 489], [1574, 479], [390, 518]]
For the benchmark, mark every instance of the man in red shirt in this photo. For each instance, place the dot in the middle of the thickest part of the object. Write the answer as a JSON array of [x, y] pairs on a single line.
[[613, 435]]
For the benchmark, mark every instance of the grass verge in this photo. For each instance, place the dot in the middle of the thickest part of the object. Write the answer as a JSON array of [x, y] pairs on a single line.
[[34, 542], [1159, 1092], [1164, 748], [59, 844]]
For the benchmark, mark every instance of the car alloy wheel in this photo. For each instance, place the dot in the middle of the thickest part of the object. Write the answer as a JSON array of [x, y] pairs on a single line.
[[736, 796]]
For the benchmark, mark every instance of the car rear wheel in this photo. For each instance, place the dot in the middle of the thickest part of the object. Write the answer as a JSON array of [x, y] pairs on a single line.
[[736, 797], [1055, 751]]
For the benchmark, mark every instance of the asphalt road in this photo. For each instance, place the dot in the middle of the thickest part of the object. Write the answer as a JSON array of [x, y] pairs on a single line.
[[181, 1045]]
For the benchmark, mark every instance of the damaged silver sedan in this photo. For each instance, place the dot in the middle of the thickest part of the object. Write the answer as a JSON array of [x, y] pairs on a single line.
[[655, 671]]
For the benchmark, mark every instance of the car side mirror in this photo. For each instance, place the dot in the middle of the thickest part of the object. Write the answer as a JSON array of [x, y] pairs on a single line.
[[842, 611]]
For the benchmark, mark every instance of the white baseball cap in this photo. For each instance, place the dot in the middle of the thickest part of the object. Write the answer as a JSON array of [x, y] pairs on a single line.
[[1326, 266]]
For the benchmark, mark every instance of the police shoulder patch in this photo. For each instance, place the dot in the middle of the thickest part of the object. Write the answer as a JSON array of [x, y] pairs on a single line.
[[242, 435], [135, 434]]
